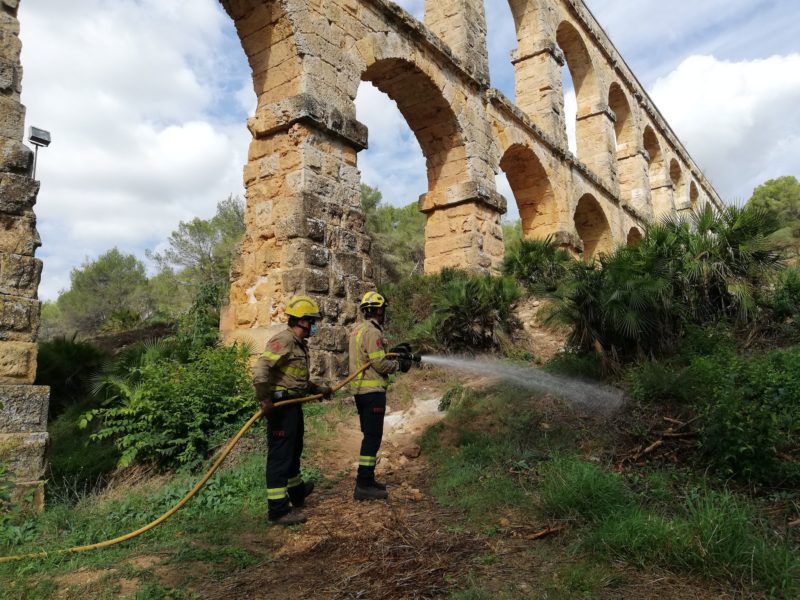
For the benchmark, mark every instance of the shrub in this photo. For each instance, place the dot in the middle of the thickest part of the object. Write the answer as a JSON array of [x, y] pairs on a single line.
[[786, 297], [67, 366], [453, 311], [638, 302], [539, 265], [172, 412], [752, 415]]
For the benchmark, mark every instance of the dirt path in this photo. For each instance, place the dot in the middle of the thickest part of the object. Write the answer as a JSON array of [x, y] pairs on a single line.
[[348, 549]]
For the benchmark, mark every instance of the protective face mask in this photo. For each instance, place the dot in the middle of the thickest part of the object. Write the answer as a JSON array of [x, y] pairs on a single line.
[[313, 331]]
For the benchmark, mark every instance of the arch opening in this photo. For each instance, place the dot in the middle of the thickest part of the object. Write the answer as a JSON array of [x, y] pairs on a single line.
[[655, 160], [579, 72], [635, 237], [532, 191], [694, 195], [676, 177], [429, 116], [592, 227], [623, 123]]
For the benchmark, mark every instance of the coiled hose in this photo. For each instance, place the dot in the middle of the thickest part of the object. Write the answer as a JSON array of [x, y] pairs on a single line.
[[192, 493]]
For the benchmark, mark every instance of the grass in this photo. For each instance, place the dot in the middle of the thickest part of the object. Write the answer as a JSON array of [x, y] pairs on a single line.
[[491, 458], [205, 531]]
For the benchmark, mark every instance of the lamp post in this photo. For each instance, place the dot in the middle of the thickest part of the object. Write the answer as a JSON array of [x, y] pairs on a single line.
[[40, 139]]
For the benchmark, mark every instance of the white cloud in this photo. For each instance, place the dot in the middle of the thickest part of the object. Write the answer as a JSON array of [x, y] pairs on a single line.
[[394, 162], [146, 101], [738, 119]]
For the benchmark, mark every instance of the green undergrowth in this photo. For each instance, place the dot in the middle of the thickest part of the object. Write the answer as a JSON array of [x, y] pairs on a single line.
[[502, 454], [208, 530]]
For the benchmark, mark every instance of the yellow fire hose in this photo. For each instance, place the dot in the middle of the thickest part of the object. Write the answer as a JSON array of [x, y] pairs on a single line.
[[193, 492]]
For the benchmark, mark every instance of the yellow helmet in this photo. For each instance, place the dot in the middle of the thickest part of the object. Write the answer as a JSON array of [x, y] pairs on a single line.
[[303, 307], [372, 300]]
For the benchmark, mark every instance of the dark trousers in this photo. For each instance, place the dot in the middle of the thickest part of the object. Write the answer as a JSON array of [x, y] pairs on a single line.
[[284, 449], [371, 410]]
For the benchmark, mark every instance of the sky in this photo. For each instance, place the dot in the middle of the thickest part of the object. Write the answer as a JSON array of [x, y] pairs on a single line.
[[147, 101]]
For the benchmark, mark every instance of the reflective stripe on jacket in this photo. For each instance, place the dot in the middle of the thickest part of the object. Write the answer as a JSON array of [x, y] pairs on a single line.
[[368, 345], [284, 363]]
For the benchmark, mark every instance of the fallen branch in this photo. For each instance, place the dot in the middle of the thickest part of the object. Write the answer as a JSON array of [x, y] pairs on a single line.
[[680, 435], [795, 523], [547, 532]]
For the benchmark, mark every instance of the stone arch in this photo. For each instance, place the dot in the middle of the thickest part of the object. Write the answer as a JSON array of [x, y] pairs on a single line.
[[580, 65], [421, 98], [694, 195], [532, 190], [635, 237], [592, 227], [624, 128], [678, 183], [428, 115], [655, 159]]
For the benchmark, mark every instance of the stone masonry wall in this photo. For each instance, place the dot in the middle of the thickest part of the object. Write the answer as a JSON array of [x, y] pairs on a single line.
[[23, 406], [305, 229]]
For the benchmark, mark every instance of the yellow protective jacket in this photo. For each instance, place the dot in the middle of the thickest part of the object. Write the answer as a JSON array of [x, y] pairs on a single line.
[[368, 345], [284, 364]]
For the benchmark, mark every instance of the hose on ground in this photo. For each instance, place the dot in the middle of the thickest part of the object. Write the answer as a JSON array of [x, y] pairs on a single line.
[[192, 493]]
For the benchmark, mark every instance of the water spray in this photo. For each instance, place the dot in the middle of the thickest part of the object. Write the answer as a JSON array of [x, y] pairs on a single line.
[[595, 397]]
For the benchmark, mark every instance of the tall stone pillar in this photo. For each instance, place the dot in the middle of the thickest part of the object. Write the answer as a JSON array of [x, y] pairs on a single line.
[[305, 228], [596, 146], [634, 183], [539, 89], [23, 406], [461, 24], [663, 199], [463, 228]]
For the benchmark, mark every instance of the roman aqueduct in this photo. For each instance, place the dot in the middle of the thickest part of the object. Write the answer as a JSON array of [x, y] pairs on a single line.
[[305, 228]]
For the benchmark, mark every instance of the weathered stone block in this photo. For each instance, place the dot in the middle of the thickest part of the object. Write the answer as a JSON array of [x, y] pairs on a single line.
[[12, 117], [17, 193], [15, 156], [19, 275], [8, 77], [17, 364], [19, 318], [24, 407], [18, 234], [24, 453]]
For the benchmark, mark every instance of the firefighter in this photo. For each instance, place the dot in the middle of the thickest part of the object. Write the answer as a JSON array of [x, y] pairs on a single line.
[[282, 373], [368, 345]]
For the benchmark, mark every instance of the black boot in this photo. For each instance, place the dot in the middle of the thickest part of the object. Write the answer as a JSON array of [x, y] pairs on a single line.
[[293, 517], [364, 491], [377, 484], [299, 494]]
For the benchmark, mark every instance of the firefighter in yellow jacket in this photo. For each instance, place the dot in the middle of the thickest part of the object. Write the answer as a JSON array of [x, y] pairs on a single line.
[[282, 373], [368, 345]]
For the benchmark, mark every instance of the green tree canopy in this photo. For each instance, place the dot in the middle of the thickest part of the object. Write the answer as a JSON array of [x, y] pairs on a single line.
[[107, 293], [781, 197], [200, 251], [398, 236]]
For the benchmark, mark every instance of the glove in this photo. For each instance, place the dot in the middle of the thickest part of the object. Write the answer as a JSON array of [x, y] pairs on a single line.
[[267, 406], [326, 391], [405, 362], [401, 350]]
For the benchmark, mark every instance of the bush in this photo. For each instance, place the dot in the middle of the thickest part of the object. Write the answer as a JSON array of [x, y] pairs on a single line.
[[171, 412], [539, 265], [67, 366], [638, 302], [752, 415], [453, 311], [786, 298]]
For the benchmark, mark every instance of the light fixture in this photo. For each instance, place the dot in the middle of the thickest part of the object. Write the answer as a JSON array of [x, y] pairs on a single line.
[[40, 139]]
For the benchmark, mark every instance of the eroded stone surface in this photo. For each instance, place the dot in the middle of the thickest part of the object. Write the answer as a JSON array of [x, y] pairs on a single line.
[[23, 407]]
